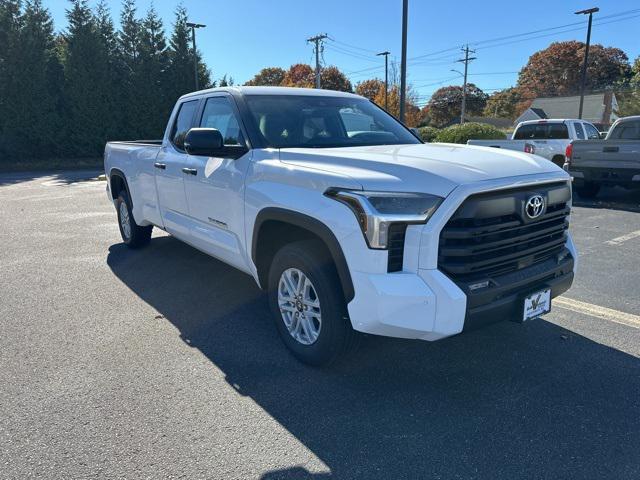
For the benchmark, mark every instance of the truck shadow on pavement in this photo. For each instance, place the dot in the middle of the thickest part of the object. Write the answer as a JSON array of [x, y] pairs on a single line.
[[508, 401], [611, 198]]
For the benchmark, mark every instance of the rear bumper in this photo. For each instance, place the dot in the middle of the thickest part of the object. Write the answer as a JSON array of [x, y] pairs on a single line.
[[625, 177]]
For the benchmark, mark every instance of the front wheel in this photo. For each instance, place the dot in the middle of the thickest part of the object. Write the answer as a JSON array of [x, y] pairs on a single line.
[[308, 304], [133, 235]]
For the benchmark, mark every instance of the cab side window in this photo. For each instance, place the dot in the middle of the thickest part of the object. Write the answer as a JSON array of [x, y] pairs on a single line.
[[592, 132], [579, 130], [182, 123], [219, 114]]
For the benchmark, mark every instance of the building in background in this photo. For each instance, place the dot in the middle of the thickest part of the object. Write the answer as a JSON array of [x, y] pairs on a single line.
[[599, 109]]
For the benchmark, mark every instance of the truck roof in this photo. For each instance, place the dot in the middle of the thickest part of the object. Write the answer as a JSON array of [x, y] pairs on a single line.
[[246, 90], [552, 120]]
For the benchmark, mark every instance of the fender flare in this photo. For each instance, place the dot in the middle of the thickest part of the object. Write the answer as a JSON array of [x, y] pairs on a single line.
[[119, 173], [314, 226]]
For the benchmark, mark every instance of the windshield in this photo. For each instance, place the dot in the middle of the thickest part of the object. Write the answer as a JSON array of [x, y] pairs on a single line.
[[323, 122]]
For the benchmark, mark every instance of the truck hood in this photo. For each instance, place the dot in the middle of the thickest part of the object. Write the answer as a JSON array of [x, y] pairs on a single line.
[[429, 168]]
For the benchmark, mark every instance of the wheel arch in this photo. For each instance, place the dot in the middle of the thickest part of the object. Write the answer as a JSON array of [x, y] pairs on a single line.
[[117, 180], [271, 222]]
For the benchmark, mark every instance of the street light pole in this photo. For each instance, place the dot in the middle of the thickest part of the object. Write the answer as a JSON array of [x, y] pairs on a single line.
[[386, 78], [583, 77], [193, 27], [403, 61]]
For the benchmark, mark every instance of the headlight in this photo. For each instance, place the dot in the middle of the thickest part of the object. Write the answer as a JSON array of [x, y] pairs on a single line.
[[377, 211]]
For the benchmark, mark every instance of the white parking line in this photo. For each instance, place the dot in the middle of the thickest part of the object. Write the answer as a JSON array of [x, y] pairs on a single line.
[[623, 238], [598, 311]]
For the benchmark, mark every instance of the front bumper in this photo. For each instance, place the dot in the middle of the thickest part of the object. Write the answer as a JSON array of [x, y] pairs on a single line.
[[421, 302], [428, 305]]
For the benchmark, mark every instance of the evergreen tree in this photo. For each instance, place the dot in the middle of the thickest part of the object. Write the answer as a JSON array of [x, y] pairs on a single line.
[[109, 88], [84, 69], [180, 72], [32, 90], [129, 53], [10, 19], [153, 104]]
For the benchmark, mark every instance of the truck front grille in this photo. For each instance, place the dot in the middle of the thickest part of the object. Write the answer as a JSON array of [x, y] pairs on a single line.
[[490, 234]]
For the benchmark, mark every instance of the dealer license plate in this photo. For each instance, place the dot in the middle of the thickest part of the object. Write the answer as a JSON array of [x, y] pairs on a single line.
[[537, 304]]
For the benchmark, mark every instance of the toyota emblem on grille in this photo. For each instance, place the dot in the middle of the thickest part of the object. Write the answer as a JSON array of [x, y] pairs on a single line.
[[534, 206]]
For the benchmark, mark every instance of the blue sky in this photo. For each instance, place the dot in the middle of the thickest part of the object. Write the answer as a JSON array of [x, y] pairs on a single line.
[[243, 36]]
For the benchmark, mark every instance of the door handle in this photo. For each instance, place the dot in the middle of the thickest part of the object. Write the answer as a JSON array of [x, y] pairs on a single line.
[[190, 171], [161, 166]]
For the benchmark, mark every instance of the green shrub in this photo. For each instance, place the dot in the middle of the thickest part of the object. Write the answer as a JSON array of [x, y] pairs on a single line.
[[469, 131], [428, 134]]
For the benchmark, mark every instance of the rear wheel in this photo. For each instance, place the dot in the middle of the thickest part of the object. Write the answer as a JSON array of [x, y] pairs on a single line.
[[133, 235], [558, 160], [588, 190], [308, 305]]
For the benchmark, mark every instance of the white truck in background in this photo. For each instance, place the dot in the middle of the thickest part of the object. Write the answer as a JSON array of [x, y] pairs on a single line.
[[546, 138], [350, 225]]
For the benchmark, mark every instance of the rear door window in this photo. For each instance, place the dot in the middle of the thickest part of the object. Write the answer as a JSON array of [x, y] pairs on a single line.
[[579, 130], [183, 123], [592, 132]]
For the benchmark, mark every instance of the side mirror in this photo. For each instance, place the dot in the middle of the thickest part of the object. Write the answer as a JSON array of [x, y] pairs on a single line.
[[204, 141], [415, 132]]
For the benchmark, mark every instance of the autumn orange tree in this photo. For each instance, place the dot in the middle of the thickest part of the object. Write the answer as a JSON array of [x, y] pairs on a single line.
[[299, 75], [270, 76], [503, 103], [446, 103], [555, 71], [302, 75], [412, 115], [370, 88]]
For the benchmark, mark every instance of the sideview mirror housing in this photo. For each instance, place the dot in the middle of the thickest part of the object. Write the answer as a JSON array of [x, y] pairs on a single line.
[[208, 142], [204, 141]]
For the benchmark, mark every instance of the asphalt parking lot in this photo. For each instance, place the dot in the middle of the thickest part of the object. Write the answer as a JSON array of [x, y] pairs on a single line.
[[164, 362]]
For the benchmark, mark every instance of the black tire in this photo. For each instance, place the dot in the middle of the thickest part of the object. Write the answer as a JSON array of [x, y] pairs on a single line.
[[336, 337], [558, 160], [588, 190], [138, 236]]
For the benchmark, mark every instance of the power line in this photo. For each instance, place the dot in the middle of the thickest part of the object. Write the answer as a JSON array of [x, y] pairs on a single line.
[[345, 44], [336, 49]]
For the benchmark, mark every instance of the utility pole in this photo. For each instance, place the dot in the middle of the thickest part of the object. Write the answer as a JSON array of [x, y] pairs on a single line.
[[583, 77], [318, 42], [193, 27], [403, 60], [386, 78], [466, 61]]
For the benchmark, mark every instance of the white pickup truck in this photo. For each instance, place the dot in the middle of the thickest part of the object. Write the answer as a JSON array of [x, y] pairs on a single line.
[[348, 221], [546, 138]]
